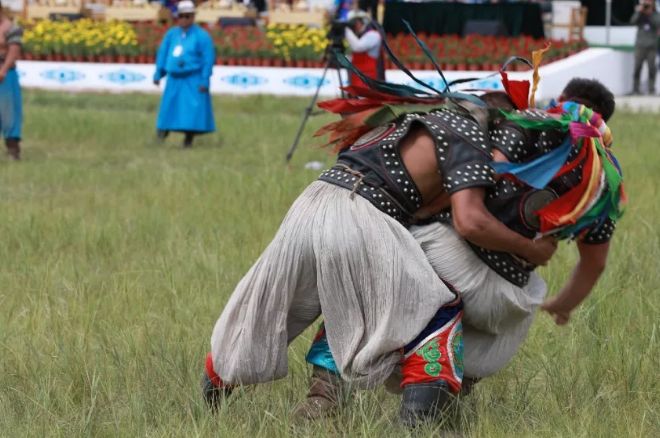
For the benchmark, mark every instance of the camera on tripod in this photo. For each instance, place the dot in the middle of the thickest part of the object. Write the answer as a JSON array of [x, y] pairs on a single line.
[[336, 38], [336, 34]]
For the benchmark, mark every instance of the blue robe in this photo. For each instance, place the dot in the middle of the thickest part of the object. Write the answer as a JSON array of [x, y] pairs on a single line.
[[187, 58], [11, 108]]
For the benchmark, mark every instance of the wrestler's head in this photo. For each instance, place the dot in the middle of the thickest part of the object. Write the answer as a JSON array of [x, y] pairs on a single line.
[[498, 99], [590, 93]]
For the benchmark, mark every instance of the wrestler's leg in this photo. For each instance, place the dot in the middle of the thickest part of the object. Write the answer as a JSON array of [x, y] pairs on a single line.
[[303, 312], [432, 367], [275, 301], [497, 313], [432, 371], [327, 391]]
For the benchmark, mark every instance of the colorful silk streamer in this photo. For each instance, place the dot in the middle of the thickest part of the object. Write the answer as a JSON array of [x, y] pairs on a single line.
[[598, 196], [537, 173]]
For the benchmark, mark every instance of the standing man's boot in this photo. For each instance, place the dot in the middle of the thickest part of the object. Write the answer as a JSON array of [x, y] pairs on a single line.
[[13, 148], [161, 135], [325, 396], [188, 139]]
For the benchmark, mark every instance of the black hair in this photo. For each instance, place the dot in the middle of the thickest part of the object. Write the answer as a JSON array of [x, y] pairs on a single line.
[[592, 94], [498, 99]]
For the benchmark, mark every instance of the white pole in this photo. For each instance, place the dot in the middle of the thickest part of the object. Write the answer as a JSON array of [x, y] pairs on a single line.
[[608, 20]]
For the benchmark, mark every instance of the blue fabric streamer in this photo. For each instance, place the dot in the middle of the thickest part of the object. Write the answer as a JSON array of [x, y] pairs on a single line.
[[615, 161], [539, 172]]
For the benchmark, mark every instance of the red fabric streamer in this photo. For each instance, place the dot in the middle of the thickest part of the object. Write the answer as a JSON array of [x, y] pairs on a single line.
[[550, 214], [518, 91], [345, 132], [349, 106]]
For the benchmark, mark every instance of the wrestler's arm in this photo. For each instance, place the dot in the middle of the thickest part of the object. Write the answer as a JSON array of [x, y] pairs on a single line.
[[591, 265], [473, 222]]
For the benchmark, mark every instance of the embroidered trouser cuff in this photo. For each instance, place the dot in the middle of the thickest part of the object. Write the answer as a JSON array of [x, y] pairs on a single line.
[[437, 353], [215, 379]]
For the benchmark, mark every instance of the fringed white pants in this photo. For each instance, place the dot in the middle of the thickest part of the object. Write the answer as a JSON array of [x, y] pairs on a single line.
[[497, 313], [337, 254]]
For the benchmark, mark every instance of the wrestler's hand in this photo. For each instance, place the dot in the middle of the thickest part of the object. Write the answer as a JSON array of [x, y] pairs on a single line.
[[203, 89], [156, 82], [557, 311], [540, 251]]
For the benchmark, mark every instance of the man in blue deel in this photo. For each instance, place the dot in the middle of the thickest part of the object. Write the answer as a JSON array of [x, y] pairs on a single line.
[[11, 110], [186, 55]]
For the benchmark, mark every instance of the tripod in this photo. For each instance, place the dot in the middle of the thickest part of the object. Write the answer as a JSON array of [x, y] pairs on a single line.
[[330, 63]]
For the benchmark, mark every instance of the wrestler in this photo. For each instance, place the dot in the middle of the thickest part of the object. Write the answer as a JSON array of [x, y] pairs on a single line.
[[344, 248], [499, 291]]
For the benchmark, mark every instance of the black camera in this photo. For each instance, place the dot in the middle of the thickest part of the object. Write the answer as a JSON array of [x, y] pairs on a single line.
[[336, 34]]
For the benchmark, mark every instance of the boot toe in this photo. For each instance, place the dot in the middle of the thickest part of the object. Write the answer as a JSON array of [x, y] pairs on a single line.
[[212, 394], [423, 403], [314, 408]]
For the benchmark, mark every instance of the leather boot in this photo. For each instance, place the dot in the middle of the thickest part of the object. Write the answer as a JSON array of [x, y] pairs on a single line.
[[188, 138], [161, 135], [326, 395], [213, 396], [424, 402], [13, 148]]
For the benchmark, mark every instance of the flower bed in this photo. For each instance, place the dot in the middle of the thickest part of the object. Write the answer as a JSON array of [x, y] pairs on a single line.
[[280, 45], [81, 40], [476, 52]]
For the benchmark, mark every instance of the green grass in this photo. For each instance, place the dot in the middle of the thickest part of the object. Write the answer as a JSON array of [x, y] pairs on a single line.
[[118, 255]]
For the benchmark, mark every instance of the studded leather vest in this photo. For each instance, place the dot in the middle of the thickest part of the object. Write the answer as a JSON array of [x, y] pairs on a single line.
[[514, 203], [372, 167]]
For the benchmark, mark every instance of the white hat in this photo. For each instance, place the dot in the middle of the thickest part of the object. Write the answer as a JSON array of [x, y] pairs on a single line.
[[356, 14], [185, 7]]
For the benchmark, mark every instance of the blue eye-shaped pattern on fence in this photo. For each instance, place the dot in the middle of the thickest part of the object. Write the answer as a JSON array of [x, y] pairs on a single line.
[[62, 75], [123, 76], [21, 73], [244, 80], [436, 83], [494, 83], [306, 81]]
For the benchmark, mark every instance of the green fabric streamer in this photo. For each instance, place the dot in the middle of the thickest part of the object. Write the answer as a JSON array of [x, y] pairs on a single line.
[[550, 123], [608, 205]]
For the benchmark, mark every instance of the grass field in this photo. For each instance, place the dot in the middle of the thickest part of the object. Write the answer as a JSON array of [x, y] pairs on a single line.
[[119, 253]]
